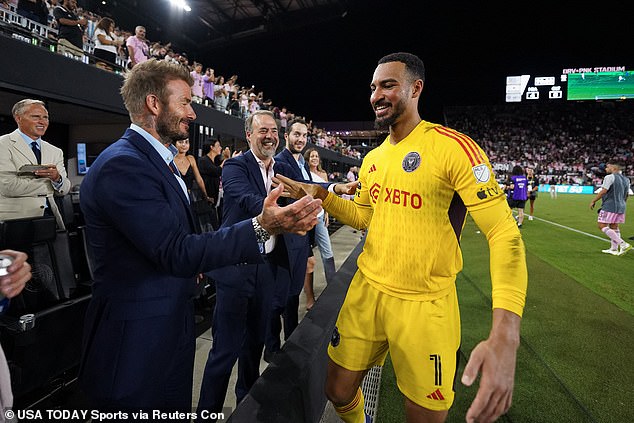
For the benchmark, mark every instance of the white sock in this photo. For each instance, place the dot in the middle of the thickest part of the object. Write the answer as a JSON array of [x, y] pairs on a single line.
[[614, 237]]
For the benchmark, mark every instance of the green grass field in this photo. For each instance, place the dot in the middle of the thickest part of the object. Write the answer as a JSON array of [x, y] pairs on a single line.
[[600, 86], [575, 359]]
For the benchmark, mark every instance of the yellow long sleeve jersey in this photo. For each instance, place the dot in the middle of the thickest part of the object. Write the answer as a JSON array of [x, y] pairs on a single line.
[[413, 198]]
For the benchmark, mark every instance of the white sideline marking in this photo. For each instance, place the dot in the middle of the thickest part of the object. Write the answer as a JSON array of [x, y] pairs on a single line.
[[572, 229]]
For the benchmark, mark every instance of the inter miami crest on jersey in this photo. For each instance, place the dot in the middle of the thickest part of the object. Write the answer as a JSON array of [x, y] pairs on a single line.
[[411, 161]]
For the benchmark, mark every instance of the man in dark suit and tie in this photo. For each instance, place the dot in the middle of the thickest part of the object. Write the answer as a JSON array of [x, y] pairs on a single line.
[[244, 292], [139, 339], [30, 194]]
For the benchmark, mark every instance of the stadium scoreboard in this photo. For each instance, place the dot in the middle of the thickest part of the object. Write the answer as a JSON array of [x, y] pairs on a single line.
[[592, 83]]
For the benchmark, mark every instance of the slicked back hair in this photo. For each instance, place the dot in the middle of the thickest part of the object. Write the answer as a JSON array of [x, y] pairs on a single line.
[[248, 124], [20, 106]]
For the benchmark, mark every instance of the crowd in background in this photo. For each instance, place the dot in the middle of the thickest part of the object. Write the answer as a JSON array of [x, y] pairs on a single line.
[[566, 143], [131, 46]]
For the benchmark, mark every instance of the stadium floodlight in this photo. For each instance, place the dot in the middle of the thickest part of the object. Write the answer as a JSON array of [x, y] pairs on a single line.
[[182, 4]]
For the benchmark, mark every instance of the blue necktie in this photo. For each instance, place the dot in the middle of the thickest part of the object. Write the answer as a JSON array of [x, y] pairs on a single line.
[[36, 151]]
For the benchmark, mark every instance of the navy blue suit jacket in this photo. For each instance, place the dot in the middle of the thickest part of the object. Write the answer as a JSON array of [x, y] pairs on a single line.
[[298, 245], [243, 198], [138, 334]]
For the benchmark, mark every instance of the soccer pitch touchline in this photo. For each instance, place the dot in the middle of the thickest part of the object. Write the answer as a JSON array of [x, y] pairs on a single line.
[[572, 229]]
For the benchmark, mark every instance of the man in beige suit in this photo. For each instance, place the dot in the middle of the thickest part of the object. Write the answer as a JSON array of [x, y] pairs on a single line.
[[30, 194]]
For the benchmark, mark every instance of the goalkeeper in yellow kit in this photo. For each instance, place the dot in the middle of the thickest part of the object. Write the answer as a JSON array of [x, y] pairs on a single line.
[[413, 195]]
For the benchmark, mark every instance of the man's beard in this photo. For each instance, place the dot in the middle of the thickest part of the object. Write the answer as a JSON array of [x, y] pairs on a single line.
[[294, 149], [167, 126], [389, 120]]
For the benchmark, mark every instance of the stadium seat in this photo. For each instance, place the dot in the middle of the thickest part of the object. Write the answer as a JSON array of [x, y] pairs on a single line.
[[48, 352]]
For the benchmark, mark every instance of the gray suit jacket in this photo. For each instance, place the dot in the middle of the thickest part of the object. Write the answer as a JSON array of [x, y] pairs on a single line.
[[25, 195]]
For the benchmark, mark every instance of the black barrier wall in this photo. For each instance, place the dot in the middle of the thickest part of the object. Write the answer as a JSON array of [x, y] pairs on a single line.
[[291, 389]]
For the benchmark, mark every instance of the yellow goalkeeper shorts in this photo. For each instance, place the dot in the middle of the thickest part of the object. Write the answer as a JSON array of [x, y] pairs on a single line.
[[422, 337]]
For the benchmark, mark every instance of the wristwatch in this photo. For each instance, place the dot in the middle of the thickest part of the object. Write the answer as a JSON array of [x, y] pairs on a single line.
[[260, 233]]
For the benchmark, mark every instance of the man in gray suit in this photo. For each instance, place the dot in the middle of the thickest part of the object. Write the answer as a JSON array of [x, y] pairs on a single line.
[[30, 192]]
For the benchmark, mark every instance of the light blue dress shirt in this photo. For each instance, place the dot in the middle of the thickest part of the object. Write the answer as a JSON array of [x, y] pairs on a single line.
[[166, 154]]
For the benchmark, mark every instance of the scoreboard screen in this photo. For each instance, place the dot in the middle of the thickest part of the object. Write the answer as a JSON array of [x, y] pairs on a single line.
[[592, 83], [601, 85], [532, 88]]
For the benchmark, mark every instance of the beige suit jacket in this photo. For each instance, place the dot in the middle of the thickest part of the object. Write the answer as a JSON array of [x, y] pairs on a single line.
[[25, 195]]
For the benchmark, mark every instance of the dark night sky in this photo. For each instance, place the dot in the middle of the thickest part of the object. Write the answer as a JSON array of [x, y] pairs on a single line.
[[323, 71]]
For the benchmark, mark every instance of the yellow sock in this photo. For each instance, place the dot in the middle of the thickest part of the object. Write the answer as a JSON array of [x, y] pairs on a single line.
[[353, 412]]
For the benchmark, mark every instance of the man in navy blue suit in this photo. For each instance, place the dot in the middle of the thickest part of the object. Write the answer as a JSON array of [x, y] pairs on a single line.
[[289, 284], [244, 292], [139, 340]]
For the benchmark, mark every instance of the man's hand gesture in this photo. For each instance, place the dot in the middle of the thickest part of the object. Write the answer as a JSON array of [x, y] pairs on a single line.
[[298, 217]]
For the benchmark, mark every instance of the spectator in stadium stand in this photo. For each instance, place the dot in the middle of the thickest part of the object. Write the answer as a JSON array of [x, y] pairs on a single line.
[[533, 188], [283, 120], [266, 104], [208, 86], [232, 87], [210, 167], [71, 29], [159, 52], [106, 44], [234, 105], [197, 88], [12, 282], [184, 60], [31, 194], [244, 102], [51, 5], [571, 141], [186, 164], [613, 195], [138, 49], [34, 10], [221, 100], [402, 300], [139, 345], [253, 104]]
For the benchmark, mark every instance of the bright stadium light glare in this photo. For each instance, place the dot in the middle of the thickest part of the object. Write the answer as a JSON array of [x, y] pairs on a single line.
[[181, 4]]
